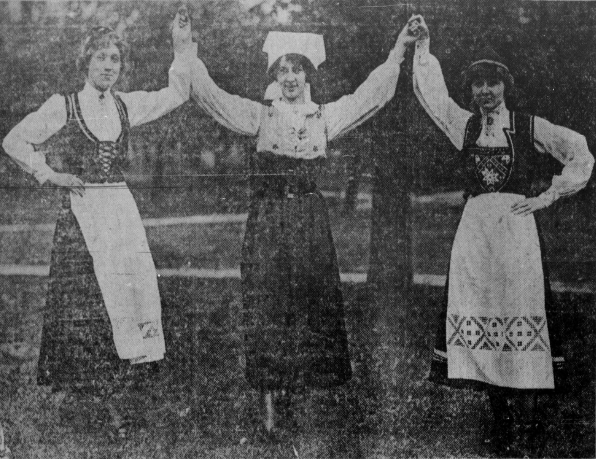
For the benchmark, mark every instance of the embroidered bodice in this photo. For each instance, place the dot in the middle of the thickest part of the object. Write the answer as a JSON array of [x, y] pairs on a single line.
[[306, 140], [507, 169]]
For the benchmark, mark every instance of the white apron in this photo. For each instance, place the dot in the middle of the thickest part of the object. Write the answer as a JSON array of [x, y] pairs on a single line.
[[116, 239], [496, 320]]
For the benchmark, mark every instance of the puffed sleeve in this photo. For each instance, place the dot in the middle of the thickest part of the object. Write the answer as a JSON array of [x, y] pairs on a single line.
[[146, 106], [571, 149], [431, 91], [237, 113], [351, 110], [34, 129]]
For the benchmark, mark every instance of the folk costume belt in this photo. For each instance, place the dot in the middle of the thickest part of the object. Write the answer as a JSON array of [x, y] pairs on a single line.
[[284, 186]]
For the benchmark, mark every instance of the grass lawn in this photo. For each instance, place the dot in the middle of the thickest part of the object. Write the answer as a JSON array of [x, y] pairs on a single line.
[[387, 410], [217, 246]]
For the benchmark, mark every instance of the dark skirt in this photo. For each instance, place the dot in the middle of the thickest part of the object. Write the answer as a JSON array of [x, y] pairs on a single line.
[[77, 347], [438, 368], [295, 335]]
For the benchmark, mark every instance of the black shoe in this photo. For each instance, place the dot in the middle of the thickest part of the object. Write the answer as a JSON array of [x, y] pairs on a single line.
[[529, 442], [122, 430], [500, 441], [266, 436]]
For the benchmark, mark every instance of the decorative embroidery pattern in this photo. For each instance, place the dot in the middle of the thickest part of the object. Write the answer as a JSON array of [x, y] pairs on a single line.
[[493, 167], [499, 334], [149, 329]]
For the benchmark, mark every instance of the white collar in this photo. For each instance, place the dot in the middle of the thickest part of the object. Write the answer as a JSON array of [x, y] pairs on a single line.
[[307, 108], [295, 114], [499, 114], [273, 93], [92, 93]]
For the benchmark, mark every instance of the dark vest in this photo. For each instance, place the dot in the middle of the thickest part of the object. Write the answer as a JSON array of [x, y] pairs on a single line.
[[507, 169], [87, 157]]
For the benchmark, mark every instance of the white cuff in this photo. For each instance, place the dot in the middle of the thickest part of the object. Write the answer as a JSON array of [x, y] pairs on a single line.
[[549, 196], [422, 51], [43, 174], [396, 57], [188, 52]]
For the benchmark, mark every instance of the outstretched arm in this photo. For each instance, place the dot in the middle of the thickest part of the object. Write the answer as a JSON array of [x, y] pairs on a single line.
[[237, 113], [352, 110], [432, 93], [571, 149], [146, 106]]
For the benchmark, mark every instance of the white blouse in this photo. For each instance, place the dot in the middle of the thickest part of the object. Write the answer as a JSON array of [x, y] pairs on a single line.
[[100, 115], [567, 146], [244, 115]]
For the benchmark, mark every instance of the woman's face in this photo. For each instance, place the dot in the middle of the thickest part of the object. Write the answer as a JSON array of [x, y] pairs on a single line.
[[488, 92], [292, 79], [104, 68]]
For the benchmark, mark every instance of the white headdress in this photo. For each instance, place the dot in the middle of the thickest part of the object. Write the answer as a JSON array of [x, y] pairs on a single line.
[[278, 44]]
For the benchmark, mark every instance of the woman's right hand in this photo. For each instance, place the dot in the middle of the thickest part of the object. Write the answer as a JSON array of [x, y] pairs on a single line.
[[416, 29], [181, 29], [72, 182]]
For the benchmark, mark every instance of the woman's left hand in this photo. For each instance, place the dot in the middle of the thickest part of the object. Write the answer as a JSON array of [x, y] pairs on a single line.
[[181, 30], [528, 206], [416, 29], [413, 31]]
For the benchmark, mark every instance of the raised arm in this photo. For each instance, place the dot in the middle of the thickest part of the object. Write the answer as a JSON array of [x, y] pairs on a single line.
[[431, 91], [354, 109], [237, 113], [144, 106]]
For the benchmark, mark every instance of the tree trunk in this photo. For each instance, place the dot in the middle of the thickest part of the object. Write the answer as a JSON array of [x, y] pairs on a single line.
[[390, 269]]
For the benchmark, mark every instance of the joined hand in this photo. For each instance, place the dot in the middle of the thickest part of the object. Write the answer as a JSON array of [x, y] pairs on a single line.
[[181, 30], [414, 30]]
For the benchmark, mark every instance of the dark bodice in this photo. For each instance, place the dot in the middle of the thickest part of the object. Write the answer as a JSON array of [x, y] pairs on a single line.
[[84, 155], [507, 169]]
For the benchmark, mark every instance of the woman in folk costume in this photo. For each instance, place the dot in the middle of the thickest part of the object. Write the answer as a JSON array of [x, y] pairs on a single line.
[[496, 331], [102, 331], [294, 317]]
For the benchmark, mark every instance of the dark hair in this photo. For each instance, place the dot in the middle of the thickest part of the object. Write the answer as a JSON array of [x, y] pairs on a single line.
[[296, 59], [487, 71], [98, 38]]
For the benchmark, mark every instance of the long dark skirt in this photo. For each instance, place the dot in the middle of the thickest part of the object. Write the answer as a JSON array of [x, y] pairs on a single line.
[[438, 367], [77, 346], [295, 333]]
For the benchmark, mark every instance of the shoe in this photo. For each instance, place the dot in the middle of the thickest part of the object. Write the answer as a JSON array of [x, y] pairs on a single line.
[[120, 428], [266, 436], [529, 441], [500, 440]]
